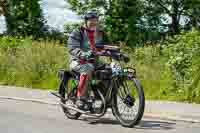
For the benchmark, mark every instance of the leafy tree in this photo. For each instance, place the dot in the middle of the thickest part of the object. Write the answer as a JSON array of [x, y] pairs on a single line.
[[193, 13], [120, 17], [135, 21], [175, 10], [25, 18]]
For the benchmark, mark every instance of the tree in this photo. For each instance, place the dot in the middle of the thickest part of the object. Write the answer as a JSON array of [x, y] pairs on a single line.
[[120, 17], [175, 10], [135, 21], [25, 18], [193, 13], [2, 7]]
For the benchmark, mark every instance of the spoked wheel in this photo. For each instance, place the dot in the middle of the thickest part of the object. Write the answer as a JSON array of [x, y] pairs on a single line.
[[69, 91], [128, 102]]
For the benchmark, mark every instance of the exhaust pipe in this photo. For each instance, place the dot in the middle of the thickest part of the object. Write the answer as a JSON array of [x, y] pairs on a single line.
[[78, 110], [73, 108]]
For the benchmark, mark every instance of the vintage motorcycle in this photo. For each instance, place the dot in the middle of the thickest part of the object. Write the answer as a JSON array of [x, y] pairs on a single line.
[[115, 87]]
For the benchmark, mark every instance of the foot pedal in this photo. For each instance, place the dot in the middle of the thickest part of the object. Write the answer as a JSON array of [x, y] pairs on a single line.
[[58, 95]]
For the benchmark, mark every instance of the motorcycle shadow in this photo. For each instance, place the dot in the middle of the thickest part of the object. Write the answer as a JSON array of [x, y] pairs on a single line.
[[144, 124]]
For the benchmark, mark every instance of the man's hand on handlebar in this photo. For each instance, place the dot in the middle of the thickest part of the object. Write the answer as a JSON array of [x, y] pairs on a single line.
[[87, 55]]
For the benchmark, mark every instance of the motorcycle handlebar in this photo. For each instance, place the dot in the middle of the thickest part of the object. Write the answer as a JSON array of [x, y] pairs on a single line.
[[108, 47], [112, 51], [116, 55]]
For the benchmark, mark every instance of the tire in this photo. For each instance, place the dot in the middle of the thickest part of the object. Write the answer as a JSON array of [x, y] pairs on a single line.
[[115, 108], [69, 113]]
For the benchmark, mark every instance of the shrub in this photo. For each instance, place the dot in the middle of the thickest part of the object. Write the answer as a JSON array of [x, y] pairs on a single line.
[[183, 52]]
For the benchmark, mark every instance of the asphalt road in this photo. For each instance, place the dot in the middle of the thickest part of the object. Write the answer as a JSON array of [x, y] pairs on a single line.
[[27, 117]]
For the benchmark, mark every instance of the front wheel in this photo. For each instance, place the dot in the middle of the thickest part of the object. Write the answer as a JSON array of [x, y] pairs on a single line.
[[128, 101]]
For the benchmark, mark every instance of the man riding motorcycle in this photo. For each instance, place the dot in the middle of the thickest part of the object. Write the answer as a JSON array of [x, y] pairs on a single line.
[[82, 44]]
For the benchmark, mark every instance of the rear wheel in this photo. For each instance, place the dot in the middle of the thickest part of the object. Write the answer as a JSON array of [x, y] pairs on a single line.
[[69, 92], [128, 102]]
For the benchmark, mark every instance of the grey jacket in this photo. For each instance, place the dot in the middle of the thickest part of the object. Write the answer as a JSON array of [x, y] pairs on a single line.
[[78, 42]]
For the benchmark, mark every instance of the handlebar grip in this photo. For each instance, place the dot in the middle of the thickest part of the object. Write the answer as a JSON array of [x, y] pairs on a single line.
[[126, 59], [121, 57]]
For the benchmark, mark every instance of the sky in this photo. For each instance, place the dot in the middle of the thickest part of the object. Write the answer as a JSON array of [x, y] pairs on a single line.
[[56, 12], [2, 24]]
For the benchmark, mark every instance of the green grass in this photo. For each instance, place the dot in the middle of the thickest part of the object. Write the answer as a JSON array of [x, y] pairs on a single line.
[[34, 64]]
